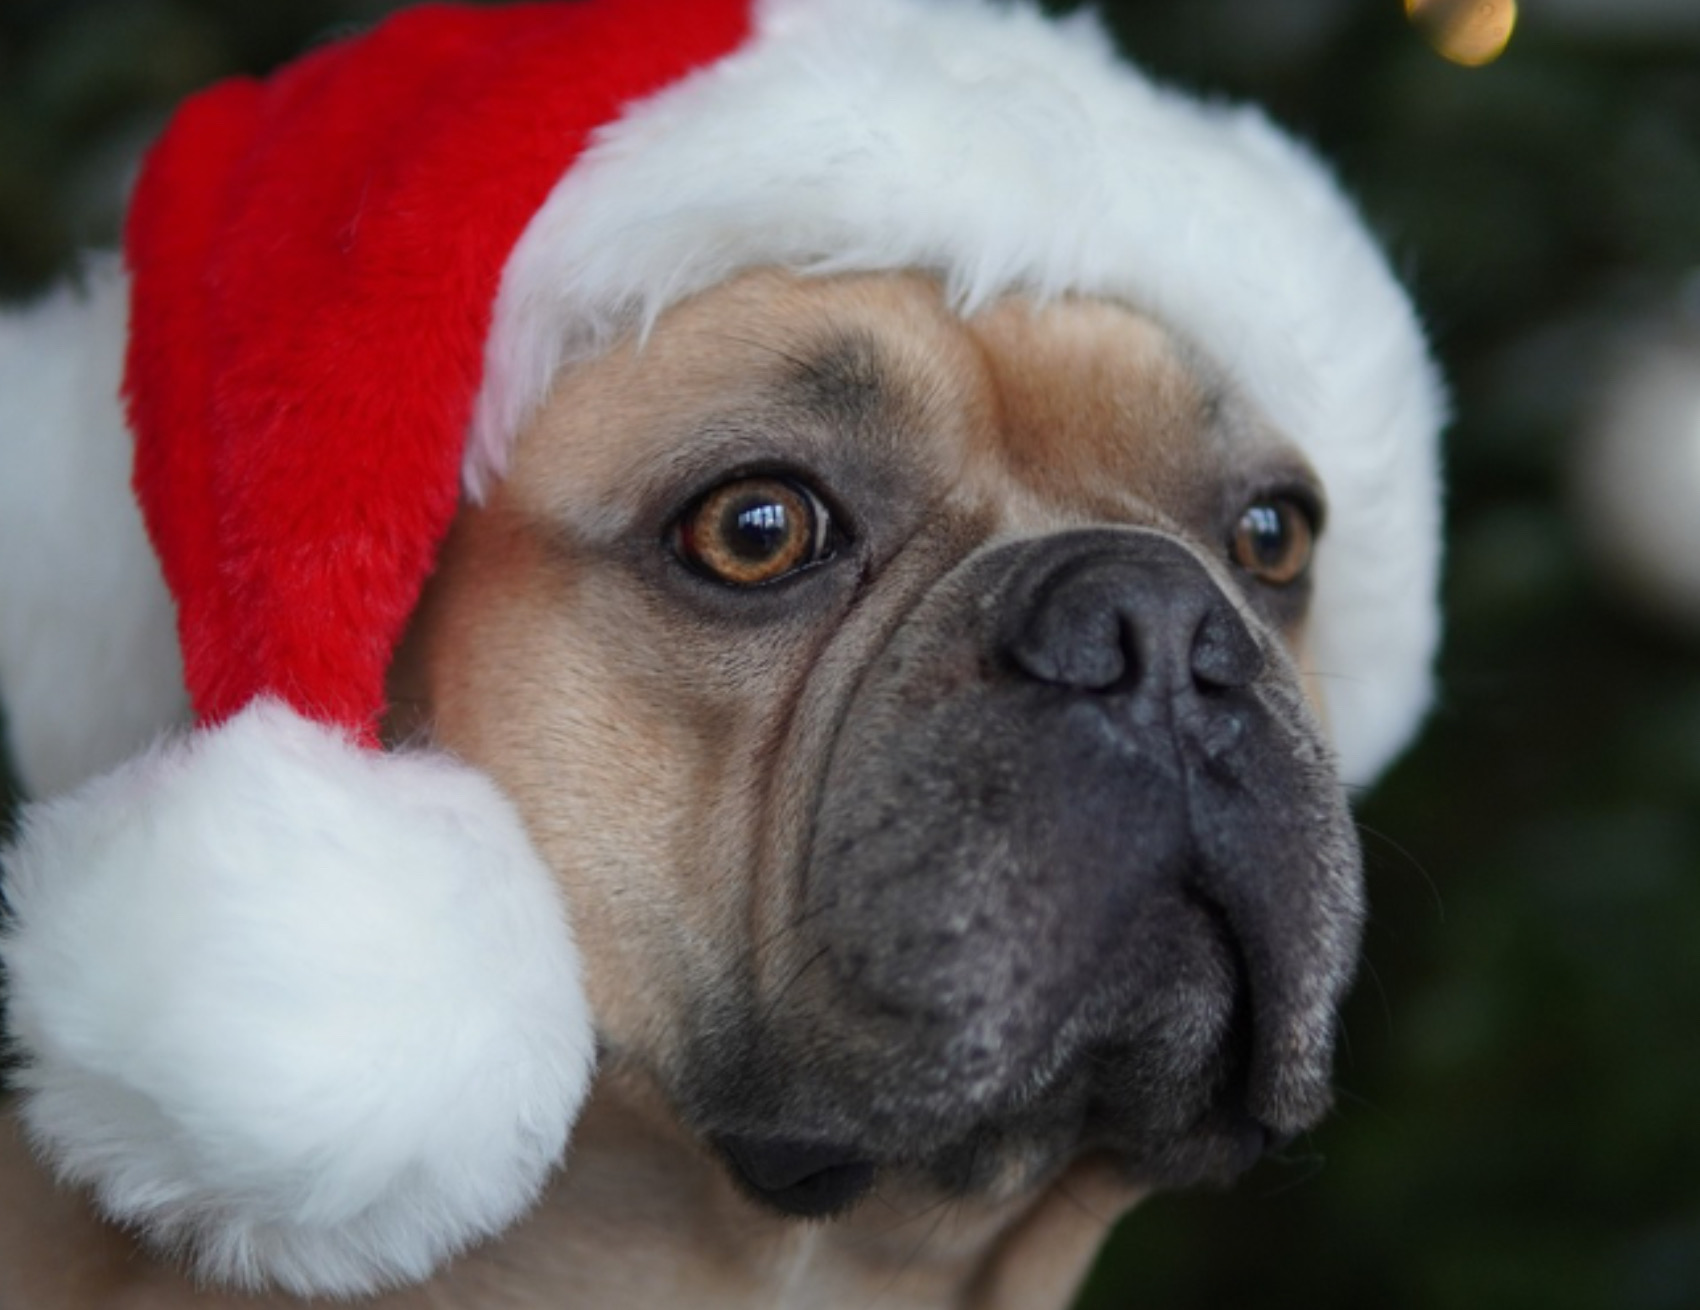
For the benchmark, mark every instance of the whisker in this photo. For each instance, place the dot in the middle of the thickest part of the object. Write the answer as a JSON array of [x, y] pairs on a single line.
[[944, 1208], [904, 1217], [768, 346], [1313, 1163], [1348, 1055], [1361, 1102], [1413, 861], [1374, 976], [795, 923], [1067, 1194], [1325, 676], [787, 985]]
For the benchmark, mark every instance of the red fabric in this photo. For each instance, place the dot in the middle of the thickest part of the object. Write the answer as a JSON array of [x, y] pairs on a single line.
[[314, 262]]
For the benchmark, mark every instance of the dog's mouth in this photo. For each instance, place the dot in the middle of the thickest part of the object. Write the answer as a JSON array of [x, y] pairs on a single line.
[[808, 1180], [818, 1179], [1168, 1098]]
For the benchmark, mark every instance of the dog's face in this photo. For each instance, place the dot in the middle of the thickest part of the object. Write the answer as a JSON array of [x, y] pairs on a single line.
[[912, 708]]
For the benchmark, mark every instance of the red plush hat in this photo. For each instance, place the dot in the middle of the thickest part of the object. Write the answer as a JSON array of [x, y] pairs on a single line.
[[309, 1008]]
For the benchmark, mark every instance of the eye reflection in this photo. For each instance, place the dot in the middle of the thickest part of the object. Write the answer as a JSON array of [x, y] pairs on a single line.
[[753, 531], [1273, 541]]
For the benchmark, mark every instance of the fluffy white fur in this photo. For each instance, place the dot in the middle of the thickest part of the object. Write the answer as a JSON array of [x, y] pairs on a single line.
[[1009, 152], [309, 1012], [89, 667]]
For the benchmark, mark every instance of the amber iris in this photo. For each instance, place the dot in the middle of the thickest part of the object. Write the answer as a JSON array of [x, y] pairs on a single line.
[[1273, 541], [753, 531]]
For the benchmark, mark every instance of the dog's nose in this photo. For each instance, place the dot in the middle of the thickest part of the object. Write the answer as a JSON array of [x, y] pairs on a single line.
[[1126, 613]]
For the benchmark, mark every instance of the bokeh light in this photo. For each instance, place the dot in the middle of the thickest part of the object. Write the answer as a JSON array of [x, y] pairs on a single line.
[[1467, 32]]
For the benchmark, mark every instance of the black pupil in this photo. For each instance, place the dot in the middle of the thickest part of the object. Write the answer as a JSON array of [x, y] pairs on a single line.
[[1268, 532], [756, 529]]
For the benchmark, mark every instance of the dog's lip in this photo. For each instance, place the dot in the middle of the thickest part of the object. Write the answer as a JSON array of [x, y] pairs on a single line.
[[1251, 1141], [804, 1179]]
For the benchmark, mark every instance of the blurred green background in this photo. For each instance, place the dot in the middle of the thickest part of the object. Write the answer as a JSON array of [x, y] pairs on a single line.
[[1520, 1084]]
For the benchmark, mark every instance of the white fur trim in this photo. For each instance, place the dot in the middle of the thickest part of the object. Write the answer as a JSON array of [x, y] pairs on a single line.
[[309, 1012], [89, 666], [1009, 152]]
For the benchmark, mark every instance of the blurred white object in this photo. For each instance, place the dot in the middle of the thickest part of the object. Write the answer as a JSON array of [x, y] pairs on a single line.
[[1637, 470]]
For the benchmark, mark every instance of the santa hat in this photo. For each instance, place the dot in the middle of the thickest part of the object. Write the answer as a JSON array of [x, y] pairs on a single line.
[[309, 1010]]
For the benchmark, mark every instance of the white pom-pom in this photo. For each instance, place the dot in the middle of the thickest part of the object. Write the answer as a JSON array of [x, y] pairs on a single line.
[[308, 1013]]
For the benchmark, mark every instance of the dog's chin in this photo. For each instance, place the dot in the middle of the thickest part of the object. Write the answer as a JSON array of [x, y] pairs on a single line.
[[803, 1179], [1159, 1088], [1083, 1112], [818, 1180]]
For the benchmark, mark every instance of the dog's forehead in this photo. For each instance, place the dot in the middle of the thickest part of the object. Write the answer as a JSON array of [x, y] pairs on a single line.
[[1025, 415]]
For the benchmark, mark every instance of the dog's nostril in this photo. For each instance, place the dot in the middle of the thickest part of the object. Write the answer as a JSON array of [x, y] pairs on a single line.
[[805, 1179], [1224, 654], [1076, 641]]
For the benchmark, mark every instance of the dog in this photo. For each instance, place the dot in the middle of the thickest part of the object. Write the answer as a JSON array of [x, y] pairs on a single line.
[[917, 704], [871, 906]]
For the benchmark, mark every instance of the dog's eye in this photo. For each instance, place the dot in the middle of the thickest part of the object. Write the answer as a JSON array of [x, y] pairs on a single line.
[[753, 531], [1273, 541]]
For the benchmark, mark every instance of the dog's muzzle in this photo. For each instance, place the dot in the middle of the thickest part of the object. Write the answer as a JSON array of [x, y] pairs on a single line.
[[1081, 878]]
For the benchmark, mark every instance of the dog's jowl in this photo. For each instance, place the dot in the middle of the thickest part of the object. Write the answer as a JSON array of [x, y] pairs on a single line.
[[760, 620]]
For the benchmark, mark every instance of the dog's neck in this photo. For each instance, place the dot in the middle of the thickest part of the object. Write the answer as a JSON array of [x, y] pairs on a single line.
[[640, 1216]]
